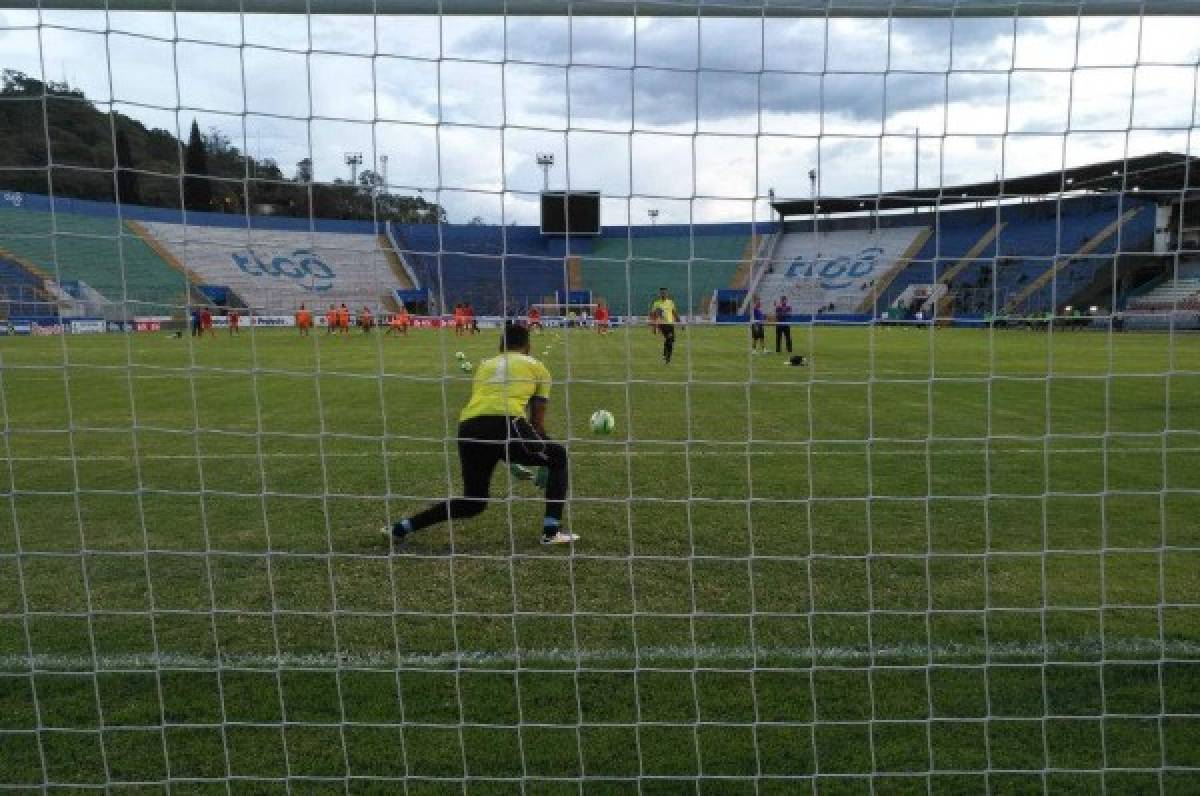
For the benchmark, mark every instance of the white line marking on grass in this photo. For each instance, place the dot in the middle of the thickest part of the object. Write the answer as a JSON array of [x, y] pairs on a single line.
[[915, 451], [1091, 650]]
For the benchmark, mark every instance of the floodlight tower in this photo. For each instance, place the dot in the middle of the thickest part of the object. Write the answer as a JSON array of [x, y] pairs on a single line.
[[545, 160], [812, 192], [917, 160], [383, 162], [353, 160]]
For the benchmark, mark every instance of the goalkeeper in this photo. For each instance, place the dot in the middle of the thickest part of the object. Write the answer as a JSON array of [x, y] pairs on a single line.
[[493, 428]]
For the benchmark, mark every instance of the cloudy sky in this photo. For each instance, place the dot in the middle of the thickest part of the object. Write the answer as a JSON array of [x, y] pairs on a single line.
[[696, 118]]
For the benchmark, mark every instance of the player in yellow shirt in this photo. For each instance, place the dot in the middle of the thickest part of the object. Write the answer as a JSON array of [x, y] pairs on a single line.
[[664, 308], [503, 421]]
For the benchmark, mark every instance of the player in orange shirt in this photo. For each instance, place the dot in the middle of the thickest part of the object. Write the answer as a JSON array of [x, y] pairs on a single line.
[[303, 320], [399, 322], [469, 321], [534, 319], [460, 319], [344, 319], [331, 320], [602, 322], [365, 321]]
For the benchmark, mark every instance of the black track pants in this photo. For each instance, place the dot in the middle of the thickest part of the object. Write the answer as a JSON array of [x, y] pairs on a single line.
[[484, 442]]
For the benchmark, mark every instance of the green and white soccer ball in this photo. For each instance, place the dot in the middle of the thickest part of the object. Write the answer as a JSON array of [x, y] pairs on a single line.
[[602, 422], [460, 356], [466, 366]]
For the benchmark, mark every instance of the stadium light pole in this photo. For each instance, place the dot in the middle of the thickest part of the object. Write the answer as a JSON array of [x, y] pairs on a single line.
[[812, 192], [353, 160], [383, 162], [917, 160], [545, 161]]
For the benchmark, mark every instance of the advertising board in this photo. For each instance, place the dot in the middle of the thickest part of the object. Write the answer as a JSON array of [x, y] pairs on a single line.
[[87, 326]]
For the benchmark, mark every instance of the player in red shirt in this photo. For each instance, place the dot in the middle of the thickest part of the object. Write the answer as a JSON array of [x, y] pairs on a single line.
[[469, 321], [534, 318], [234, 323], [602, 322], [206, 324]]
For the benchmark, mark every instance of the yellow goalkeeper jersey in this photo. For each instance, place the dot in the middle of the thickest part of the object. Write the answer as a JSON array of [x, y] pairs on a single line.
[[666, 308], [505, 384]]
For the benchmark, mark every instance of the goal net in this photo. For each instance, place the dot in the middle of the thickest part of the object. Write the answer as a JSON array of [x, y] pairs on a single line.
[[903, 488]]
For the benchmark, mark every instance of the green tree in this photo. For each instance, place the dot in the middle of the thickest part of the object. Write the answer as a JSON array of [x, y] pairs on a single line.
[[128, 190], [197, 191], [304, 170]]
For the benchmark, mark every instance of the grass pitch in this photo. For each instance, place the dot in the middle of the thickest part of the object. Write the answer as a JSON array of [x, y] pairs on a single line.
[[949, 561]]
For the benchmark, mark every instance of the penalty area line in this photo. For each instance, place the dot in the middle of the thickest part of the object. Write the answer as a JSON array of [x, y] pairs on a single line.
[[1093, 650]]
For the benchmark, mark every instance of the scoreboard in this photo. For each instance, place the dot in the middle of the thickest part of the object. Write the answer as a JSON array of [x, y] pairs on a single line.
[[571, 213]]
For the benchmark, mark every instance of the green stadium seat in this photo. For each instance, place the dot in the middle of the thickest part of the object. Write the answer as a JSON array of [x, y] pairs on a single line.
[[627, 271], [103, 252]]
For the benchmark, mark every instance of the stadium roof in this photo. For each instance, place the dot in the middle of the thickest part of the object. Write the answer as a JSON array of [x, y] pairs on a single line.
[[1164, 172], [651, 8]]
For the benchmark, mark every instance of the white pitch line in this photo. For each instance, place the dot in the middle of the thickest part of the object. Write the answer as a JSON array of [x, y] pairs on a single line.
[[1093, 650], [917, 450]]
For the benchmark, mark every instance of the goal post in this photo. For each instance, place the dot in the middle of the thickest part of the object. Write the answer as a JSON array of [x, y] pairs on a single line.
[[557, 310], [921, 519]]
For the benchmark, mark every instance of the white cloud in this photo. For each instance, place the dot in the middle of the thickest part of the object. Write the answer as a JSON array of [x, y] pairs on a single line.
[[342, 87], [619, 103]]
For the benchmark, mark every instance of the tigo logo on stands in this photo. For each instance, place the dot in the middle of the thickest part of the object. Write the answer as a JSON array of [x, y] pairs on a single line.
[[302, 265], [838, 272]]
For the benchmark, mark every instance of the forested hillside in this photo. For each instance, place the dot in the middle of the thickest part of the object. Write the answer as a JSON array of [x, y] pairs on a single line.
[[98, 154]]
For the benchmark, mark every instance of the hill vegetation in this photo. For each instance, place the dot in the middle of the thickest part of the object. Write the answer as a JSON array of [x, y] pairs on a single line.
[[53, 139]]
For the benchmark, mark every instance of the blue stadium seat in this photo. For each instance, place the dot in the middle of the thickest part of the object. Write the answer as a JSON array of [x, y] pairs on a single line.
[[22, 292], [487, 266]]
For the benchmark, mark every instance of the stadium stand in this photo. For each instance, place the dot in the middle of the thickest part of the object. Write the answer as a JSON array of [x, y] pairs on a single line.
[[491, 267], [953, 244], [1179, 292], [835, 270], [22, 292], [1017, 258], [102, 252], [276, 270], [1021, 258], [629, 265]]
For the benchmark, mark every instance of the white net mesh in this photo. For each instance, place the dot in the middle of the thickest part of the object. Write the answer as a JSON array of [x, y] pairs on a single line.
[[935, 532]]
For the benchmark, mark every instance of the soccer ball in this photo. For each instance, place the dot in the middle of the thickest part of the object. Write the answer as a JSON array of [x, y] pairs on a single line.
[[603, 422], [460, 356], [466, 366]]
